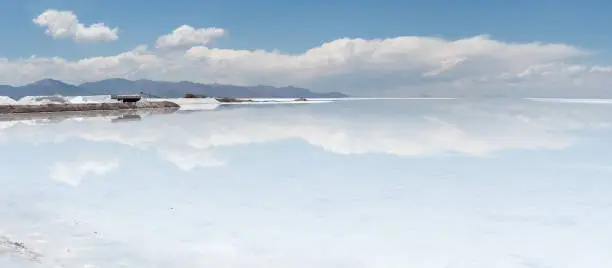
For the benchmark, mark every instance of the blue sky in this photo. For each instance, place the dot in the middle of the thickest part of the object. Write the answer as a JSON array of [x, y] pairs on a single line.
[[365, 48], [295, 26]]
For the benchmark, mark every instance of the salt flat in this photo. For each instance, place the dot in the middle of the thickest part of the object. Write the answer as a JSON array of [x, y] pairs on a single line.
[[368, 183]]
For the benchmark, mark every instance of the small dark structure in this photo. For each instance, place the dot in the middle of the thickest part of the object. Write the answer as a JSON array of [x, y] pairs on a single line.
[[193, 96], [126, 98], [227, 99]]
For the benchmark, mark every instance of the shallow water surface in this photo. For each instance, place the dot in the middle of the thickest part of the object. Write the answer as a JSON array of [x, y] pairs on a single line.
[[359, 183]]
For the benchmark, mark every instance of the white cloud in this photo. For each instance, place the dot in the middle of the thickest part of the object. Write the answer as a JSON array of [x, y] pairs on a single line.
[[72, 173], [64, 24], [399, 66], [186, 36]]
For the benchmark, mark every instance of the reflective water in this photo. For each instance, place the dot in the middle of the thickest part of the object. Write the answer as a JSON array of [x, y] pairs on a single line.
[[393, 183]]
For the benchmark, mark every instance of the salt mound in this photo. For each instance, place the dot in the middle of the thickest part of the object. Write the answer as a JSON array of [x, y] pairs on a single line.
[[4, 100], [92, 99], [38, 100], [57, 99]]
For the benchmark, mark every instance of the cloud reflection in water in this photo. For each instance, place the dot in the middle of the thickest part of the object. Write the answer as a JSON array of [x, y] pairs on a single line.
[[450, 183]]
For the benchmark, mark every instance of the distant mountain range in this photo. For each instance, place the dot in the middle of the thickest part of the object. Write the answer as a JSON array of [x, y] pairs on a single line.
[[158, 89]]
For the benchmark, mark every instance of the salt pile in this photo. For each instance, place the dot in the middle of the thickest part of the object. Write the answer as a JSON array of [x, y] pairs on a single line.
[[39, 100], [92, 99], [7, 101]]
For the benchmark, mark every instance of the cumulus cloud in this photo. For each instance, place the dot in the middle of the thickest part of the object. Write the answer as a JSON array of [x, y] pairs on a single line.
[[399, 66], [65, 24], [186, 36], [73, 172]]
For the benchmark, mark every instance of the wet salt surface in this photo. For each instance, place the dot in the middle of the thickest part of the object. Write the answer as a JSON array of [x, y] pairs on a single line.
[[394, 183]]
